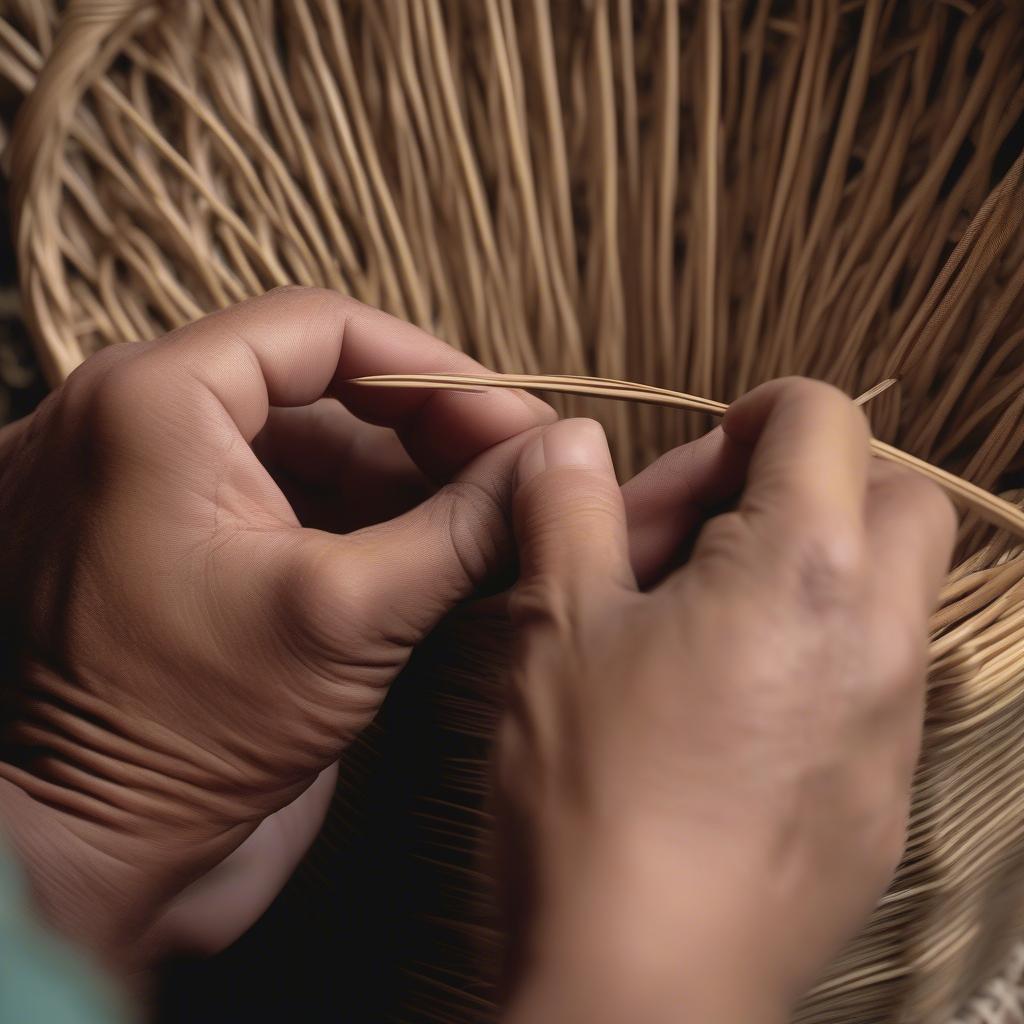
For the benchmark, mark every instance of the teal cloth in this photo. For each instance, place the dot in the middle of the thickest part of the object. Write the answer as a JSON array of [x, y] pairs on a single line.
[[42, 979]]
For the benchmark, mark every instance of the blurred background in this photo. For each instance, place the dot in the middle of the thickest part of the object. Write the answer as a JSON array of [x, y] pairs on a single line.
[[21, 384]]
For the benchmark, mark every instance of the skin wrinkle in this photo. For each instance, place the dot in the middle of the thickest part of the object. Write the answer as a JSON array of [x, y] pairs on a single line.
[[150, 733], [255, 373], [184, 669], [470, 499], [132, 755], [149, 808], [76, 804], [106, 856], [109, 770]]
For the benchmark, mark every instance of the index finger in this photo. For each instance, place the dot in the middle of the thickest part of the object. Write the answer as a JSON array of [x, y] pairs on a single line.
[[295, 345], [809, 457]]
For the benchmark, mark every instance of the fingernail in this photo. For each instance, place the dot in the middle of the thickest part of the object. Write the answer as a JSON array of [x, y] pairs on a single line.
[[577, 442]]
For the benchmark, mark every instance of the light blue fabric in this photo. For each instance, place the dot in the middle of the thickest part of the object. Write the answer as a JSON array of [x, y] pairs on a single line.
[[42, 979]]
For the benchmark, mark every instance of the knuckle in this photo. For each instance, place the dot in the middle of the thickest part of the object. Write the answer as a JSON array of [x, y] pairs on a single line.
[[118, 399], [828, 568], [903, 655], [301, 289], [316, 602], [571, 496], [561, 625], [601, 505], [107, 399], [825, 397], [83, 380], [544, 606], [554, 523], [807, 389], [290, 289], [937, 508], [877, 811], [916, 490], [475, 524], [811, 389], [507, 752], [531, 729], [726, 553], [886, 473], [722, 537], [796, 386], [554, 614], [313, 295], [515, 738]]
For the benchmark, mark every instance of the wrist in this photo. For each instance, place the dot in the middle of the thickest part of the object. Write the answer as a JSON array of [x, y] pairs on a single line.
[[68, 890], [646, 946], [616, 978]]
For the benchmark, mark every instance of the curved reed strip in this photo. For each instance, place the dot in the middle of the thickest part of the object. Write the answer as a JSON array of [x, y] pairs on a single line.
[[697, 196], [989, 507]]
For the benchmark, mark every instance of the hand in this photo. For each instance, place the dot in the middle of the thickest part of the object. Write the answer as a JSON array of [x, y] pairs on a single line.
[[180, 658], [704, 788]]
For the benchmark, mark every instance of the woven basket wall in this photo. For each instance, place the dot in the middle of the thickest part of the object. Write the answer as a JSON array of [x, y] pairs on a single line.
[[701, 195]]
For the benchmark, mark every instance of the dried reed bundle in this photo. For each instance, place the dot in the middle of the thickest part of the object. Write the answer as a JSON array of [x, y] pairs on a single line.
[[699, 196]]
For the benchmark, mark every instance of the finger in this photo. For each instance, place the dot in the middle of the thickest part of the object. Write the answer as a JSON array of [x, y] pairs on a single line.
[[809, 460], [338, 472], [570, 521], [292, 346], [400, 578], [668, 501], [911, 527]]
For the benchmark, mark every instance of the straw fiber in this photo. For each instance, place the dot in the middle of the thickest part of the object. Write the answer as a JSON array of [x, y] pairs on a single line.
[[695, 195]]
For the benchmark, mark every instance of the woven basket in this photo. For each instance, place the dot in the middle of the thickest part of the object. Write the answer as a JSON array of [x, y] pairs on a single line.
[[700, 195]]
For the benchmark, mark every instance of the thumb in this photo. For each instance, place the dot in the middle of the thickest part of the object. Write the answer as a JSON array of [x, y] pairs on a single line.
[[416, 567], [570, 521]]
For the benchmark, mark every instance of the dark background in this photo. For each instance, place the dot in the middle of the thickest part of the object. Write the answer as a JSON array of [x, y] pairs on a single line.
[[21, 383]]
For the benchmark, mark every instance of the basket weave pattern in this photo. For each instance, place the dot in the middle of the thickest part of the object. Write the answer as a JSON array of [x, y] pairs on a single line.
[[701, 196]]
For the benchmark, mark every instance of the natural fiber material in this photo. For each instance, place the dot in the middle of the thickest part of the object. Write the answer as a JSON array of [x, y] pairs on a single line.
[[697, 196], [989, 507], [1002, 999]]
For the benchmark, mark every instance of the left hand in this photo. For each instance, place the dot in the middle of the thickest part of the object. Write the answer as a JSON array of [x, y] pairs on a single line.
[[181, 659]]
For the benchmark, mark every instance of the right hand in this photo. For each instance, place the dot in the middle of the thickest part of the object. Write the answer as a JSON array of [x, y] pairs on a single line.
[[705, 787]]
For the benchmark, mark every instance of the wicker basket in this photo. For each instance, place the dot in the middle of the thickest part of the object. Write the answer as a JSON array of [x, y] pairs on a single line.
[[699, 195]]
